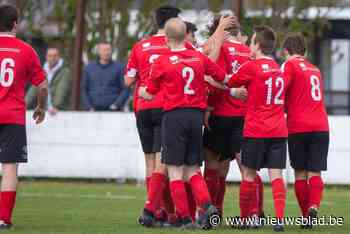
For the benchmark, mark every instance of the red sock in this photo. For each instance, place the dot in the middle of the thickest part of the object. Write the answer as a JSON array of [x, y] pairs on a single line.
[[246, 195], [279, 197], [7, 203], [220, 197], [191, 202], [316, 187], [301, 189], [156, 188], [199, 190], [212, 180], [260, 193], [168, 201], [178, 193]]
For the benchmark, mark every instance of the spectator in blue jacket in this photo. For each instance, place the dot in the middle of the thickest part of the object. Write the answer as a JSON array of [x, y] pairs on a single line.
[[102, 85]]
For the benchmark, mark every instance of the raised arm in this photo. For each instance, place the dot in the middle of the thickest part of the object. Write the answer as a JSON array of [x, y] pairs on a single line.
[[213, 45]]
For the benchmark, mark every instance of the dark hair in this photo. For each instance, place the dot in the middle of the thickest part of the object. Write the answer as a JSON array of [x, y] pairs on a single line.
[[266, 38], [104, 43], [295, 44], [163, 13], [190, 27], [8, 16], [53, 47], [233, 30]]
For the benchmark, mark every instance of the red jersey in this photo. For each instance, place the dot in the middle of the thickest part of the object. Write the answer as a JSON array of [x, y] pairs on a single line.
[[143, 55], [232, 55], [304, 97], [265, 82], [181, 75], [19, 64]]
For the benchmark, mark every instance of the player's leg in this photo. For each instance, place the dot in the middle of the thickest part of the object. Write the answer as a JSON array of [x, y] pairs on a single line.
[[194, 158], [174, 140], [211, 172], [276, 162], [298, 155], [149, 133], [251, 159], [301, 190], [318, 153], [13, 145], [220, 197], [259, 187], [278, 192], [145, 131], [211, 168], [179, 194], [201, 195], [165, 207], [8, 192]]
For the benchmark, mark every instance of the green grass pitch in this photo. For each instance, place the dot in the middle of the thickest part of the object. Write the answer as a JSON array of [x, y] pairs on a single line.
[[47, 207]]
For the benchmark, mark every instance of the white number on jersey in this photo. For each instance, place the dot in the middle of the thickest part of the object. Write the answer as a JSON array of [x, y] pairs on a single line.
[[6, 72], [153, 58], [279, 84], [315, 88], [188, 75]]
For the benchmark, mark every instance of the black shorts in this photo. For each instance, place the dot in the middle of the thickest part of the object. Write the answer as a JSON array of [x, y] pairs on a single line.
[[225, 136], [149, 124], [260, 153], [182, 137], [13, 143], [309, 151]]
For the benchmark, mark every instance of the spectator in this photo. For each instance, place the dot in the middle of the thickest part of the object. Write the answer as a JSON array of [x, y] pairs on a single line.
[[60, 84], [102, 85]]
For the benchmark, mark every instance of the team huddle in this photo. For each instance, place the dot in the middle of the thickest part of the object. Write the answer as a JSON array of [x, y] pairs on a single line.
[[249, 106]]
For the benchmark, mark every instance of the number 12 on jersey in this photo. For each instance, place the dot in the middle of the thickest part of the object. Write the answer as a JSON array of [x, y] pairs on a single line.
[[279, 84]]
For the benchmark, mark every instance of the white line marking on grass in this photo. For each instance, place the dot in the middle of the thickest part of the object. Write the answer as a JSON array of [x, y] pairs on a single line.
[[110, 196], [69, 195]]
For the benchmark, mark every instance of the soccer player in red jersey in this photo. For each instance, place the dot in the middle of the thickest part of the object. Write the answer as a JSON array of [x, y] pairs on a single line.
[[19, 64], [180, 73], [224, 133], [307, 122], [149, 113], [265, 128]]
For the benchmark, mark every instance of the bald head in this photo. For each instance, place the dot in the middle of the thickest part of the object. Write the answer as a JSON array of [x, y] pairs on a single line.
[[175, 30]]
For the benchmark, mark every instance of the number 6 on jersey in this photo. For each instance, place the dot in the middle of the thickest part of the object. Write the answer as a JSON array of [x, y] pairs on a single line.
[[6, 71]]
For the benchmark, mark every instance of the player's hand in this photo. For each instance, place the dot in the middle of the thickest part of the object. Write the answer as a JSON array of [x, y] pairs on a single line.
[[242, 93], [226, 21], [239, 93], [52, 111], [39, 115], [113, 107], [206, 119], [142, 92]]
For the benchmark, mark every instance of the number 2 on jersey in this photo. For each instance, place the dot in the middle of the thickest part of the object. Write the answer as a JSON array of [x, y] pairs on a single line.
[[6, 72], [188, 75], [279, 84]]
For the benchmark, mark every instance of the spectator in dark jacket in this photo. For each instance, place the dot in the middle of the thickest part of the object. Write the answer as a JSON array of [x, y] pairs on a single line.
[[102, 85]]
